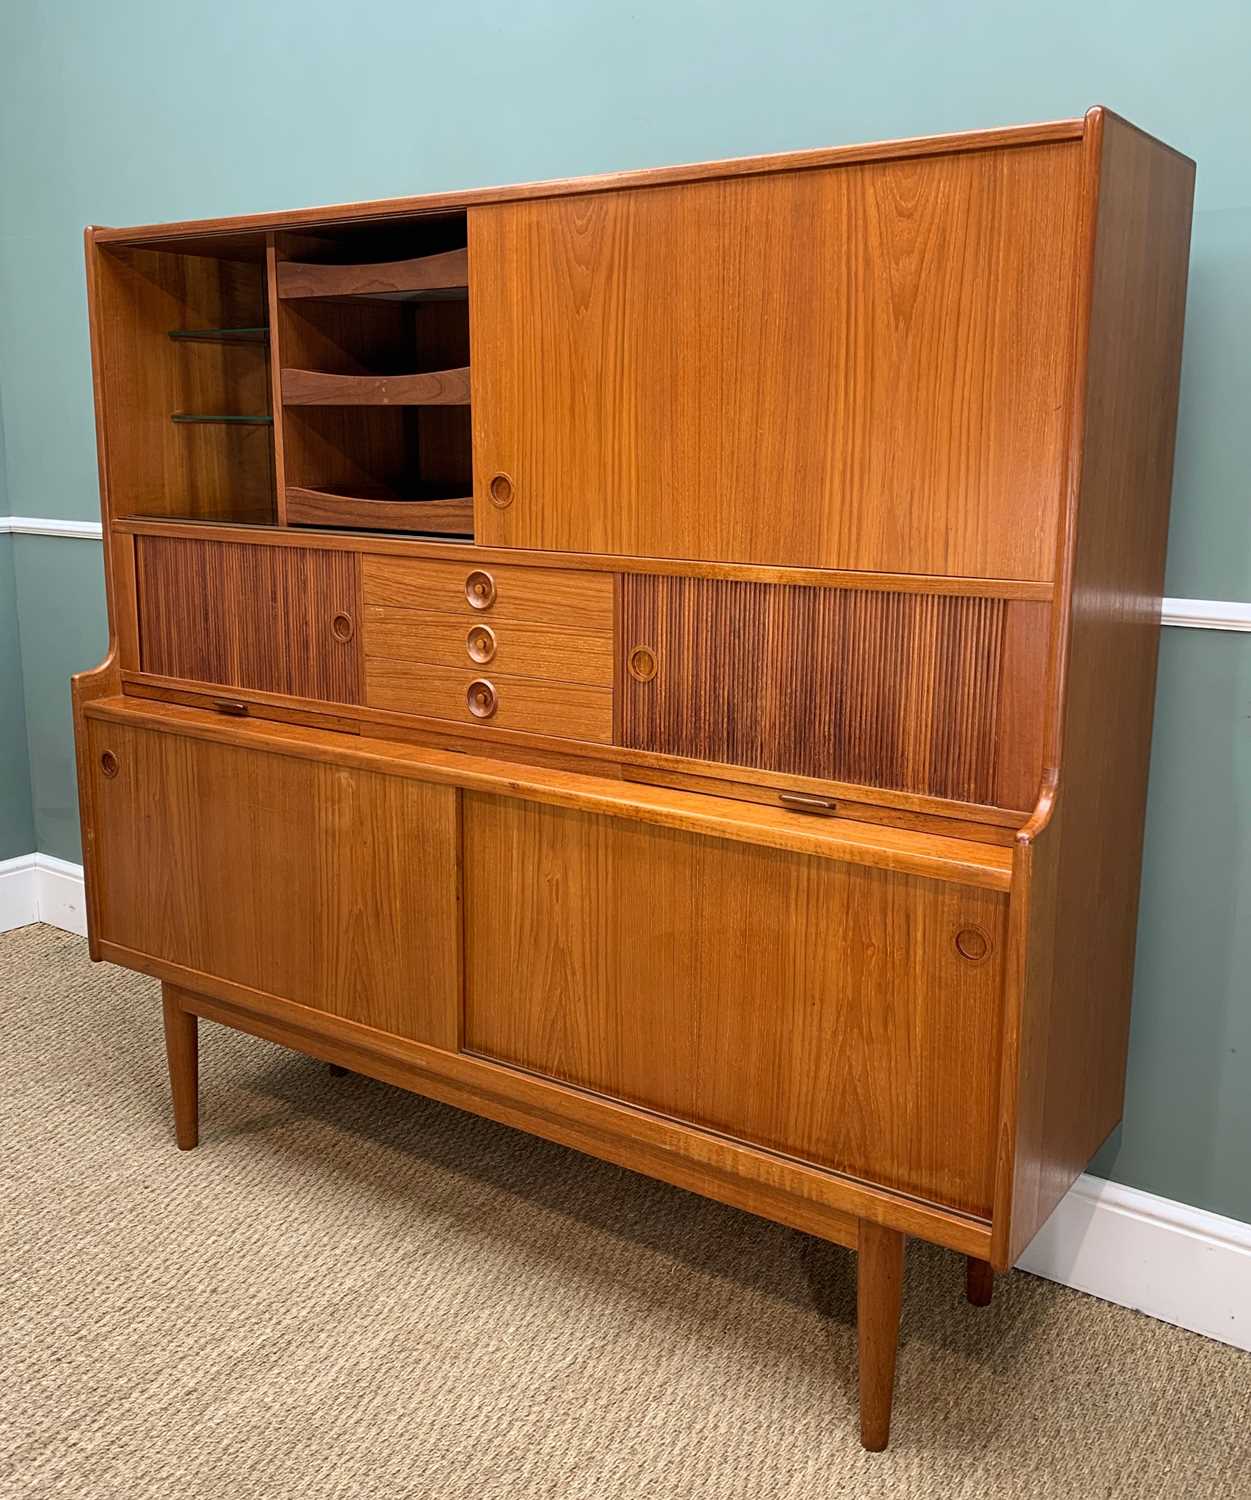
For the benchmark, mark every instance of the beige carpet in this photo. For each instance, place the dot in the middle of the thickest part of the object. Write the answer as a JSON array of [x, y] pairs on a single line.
[[348, 1291]]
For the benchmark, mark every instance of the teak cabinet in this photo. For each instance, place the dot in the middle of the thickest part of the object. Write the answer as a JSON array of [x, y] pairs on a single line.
[[664, 661]]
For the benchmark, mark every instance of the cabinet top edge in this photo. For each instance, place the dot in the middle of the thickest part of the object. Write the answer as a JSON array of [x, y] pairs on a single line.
[[382, 209]]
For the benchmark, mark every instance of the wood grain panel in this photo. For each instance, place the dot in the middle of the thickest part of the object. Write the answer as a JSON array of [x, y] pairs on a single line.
[[538, 595], [397, 278], [843, 839], [1079, 864], [567, 710], [256, 617], [520, 649], [324, 388], [157, 467], [335, 889], [892, 690], [810, 1007], [862, 368]]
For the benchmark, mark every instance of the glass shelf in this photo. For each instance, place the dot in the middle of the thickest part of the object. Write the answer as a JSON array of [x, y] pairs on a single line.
[[220, 335], [230, 418]]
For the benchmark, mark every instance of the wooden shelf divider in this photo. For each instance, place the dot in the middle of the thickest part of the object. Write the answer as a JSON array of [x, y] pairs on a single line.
[[442, 515], [428, 277], [320, 388]]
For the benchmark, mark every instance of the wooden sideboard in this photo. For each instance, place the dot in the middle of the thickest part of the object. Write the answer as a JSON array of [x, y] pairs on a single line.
[[664, 661]]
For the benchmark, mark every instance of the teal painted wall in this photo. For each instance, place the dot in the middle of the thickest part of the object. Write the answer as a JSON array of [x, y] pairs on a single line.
[[140, 110], [17, 823]]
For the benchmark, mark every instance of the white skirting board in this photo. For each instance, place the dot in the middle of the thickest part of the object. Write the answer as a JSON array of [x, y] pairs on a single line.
[[1179, 1264], [40, 888]]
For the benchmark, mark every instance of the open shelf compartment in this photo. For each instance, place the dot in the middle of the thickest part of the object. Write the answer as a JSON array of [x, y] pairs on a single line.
[[374, 379]]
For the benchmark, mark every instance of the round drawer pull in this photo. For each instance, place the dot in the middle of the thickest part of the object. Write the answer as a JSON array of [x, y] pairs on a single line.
[[342, 628], [108, 764], [500, 490], [642, 663], [480, 644], [480, 589], [974, 944], [481, 699]]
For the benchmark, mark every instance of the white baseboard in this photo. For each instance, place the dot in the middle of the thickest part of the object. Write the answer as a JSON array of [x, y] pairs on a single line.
[[41, 888], [1179, 1264]]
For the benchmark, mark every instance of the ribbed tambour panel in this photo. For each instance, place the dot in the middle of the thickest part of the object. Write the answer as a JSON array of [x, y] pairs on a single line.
[[881, 689], [249, 616]]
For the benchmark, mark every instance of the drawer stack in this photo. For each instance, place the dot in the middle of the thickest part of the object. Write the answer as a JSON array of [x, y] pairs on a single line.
[[514, 648]]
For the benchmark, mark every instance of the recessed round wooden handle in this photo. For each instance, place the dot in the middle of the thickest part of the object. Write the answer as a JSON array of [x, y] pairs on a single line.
[[642, 664], [480, 644], [480, 589], [342, 628], [108, 763], [972, 943], [500, 490], [481, 698]]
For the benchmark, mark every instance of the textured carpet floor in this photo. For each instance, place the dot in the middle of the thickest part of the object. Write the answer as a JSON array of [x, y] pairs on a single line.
[[348, 1291]]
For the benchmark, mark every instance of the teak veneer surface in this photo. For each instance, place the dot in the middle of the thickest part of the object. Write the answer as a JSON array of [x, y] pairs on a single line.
[[246, 617], [817, 1008], [937, 857], [863, 368], [283, 874], [899, 690]]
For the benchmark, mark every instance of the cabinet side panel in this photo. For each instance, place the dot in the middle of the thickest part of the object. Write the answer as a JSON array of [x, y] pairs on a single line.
[[1079, 958], [816, 1008], [862, 368]]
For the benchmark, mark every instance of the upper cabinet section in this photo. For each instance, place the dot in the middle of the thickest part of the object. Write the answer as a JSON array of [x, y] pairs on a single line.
[[858, 367]]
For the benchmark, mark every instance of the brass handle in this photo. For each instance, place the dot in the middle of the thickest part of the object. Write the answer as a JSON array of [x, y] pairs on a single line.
[[480, 644], [481, 698], [824, 807], [480, 589], [231, 706], [108, 763], [342, 628], [500, 490]]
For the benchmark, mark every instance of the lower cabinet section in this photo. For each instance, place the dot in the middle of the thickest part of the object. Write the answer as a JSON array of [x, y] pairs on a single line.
[[845, 1015], [840, 1014], [332, 887]]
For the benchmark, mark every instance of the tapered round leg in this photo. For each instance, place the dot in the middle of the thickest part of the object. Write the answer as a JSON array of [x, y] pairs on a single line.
[[182, 1054], [879, 1289], [979, 1283]]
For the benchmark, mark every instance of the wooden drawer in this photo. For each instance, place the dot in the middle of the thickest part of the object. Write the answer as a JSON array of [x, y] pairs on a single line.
[[566, 710], [331, 886], [516, 649], [582, 601]]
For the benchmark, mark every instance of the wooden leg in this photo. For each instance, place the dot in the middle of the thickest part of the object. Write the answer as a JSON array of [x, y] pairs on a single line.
[[182, 1052], [879, 1288], [979, 1281]]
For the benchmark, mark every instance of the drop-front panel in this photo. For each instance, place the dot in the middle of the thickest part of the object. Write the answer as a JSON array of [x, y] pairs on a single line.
[[670, 667]]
